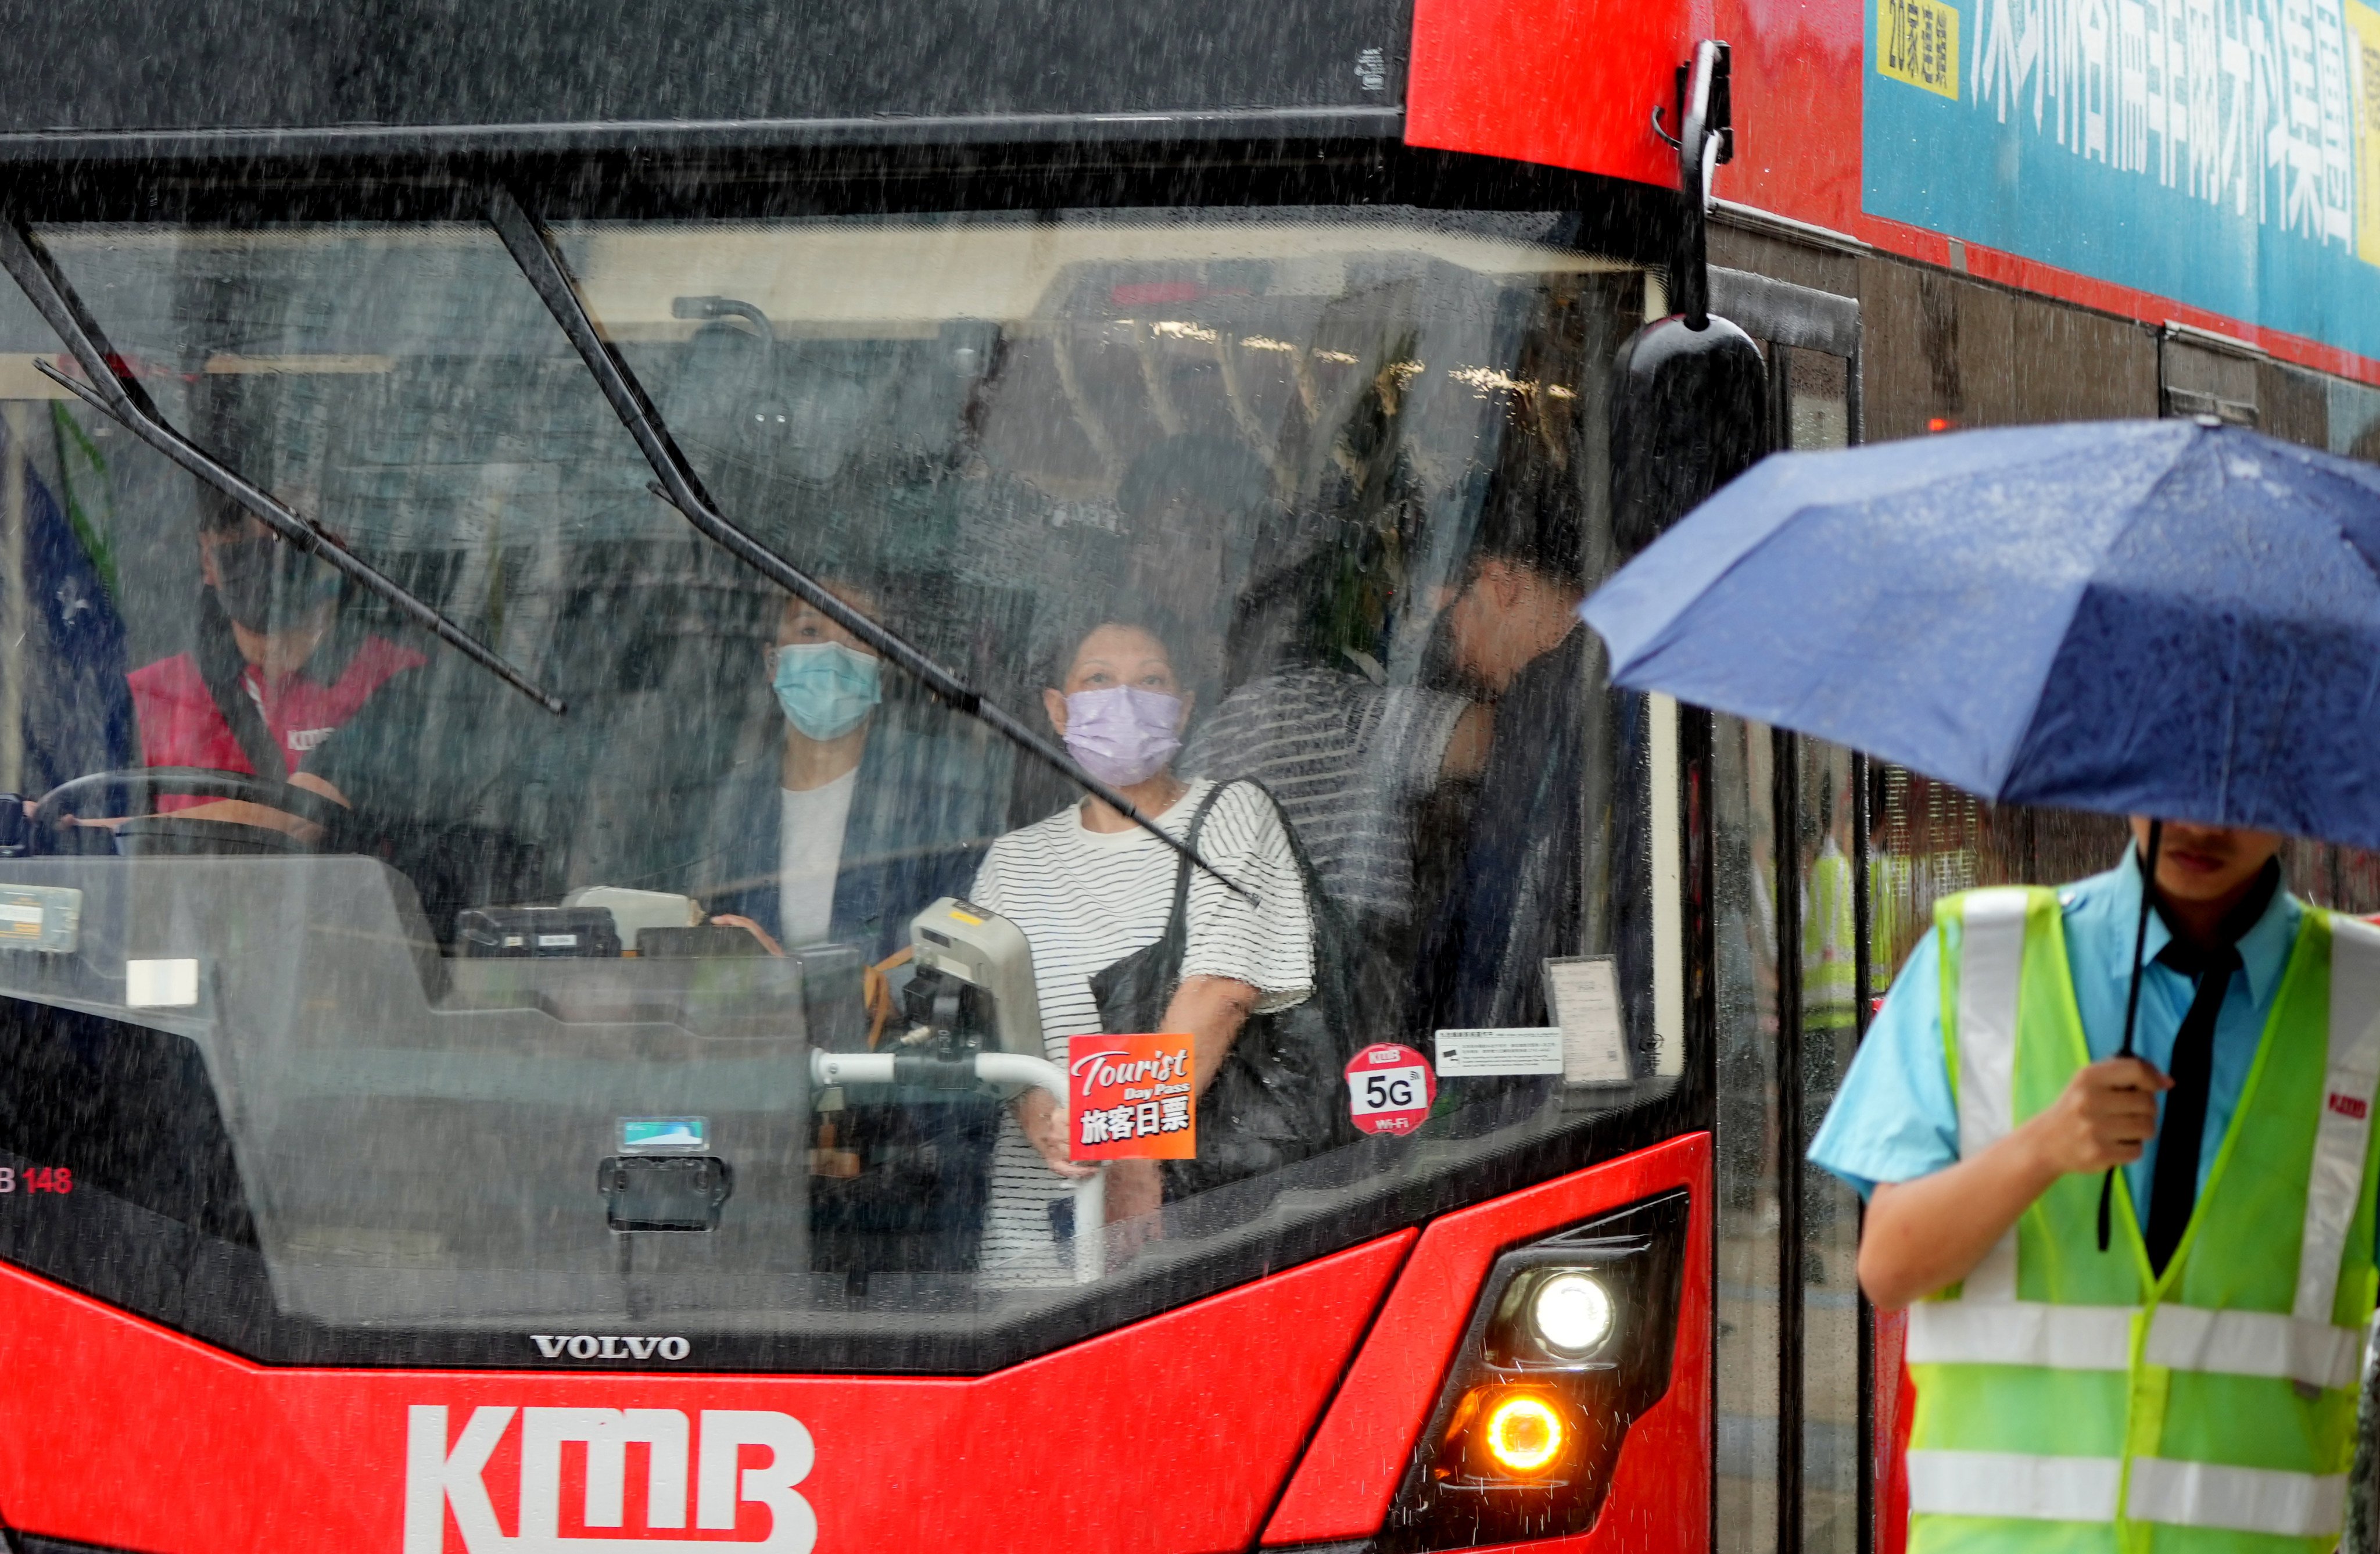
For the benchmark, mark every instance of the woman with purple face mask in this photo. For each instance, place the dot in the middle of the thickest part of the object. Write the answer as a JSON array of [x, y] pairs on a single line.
[[1088, 888], [1121, 713]]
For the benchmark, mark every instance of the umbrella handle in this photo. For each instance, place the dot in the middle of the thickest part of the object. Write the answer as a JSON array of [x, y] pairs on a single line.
[[2131, 1007]]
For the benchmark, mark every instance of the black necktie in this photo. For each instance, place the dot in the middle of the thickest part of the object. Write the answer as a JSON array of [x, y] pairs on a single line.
[[2173, 1192]]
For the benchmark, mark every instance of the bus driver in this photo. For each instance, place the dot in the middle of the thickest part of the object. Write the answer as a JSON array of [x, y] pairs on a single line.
[[275, 670]]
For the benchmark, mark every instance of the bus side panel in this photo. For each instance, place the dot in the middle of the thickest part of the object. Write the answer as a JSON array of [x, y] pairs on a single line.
[[1565, 83], [1661, 1496], [1172, 1433]]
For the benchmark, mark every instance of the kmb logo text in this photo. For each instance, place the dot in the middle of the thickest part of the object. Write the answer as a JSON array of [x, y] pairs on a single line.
[[438, 1478]]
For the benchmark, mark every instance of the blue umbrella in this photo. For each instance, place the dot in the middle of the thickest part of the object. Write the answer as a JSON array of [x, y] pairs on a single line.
[[2170, 618]]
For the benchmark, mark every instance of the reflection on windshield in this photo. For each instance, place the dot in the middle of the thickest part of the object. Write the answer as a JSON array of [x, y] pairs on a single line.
[[1279, 524]]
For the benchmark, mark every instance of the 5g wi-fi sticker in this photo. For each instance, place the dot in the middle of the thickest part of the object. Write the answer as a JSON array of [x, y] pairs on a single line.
[[1390, 1088]]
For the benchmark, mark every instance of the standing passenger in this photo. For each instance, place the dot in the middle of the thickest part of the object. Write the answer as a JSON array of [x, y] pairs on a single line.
[[1088, 887], [1515, 636], [1348, 761]]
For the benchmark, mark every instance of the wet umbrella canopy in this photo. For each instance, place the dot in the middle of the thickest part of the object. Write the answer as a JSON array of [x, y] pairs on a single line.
[[2159, 617]]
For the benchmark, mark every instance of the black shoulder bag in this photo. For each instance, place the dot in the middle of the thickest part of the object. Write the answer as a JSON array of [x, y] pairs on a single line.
[[1278, 1097]]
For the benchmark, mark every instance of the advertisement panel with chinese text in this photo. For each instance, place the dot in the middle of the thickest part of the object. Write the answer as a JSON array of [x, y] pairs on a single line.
[[2222, 155], [2215, 164]]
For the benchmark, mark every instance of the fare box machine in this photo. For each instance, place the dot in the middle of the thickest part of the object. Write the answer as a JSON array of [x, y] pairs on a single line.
[[974, 1019]]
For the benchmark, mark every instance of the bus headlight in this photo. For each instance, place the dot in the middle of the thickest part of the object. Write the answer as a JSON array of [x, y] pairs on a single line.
[[1570, 1343], [1571, 1313]]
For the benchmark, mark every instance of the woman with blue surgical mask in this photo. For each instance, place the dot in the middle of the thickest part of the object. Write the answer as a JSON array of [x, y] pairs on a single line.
[[829, 684], [869, 811]]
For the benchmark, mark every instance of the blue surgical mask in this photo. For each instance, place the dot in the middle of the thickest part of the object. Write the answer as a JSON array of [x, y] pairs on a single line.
[[826, 688]]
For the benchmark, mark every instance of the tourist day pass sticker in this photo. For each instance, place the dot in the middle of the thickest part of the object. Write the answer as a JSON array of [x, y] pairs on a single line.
[[1129, 1098], [1390, 1088]]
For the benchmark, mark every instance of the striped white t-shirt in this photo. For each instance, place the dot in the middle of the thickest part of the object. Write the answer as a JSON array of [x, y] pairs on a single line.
[[1346, 759], [1085, 900]]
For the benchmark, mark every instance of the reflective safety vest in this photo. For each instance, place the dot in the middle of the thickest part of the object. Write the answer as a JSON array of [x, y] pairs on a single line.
[[2066, 1399], [1891, 894], [1829, 944]]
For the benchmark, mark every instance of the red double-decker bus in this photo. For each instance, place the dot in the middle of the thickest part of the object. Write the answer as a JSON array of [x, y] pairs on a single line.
[[806, 779]]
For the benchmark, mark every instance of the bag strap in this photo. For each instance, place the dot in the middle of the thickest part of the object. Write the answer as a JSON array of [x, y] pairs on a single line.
[[1317, 896], [224, 672], [1176, 936], [1319, 901], [1198, 819], [1176, 925]]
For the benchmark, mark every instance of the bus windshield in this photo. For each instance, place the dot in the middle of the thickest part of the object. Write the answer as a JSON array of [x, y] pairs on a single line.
[[381, 1017]]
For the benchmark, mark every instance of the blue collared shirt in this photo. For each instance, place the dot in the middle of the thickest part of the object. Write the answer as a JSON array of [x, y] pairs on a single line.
[[1895, 1118]]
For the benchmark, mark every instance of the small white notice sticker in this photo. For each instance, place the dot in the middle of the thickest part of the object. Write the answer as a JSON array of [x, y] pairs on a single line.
[[1479, 1054], [161, 984], [1582, 993]]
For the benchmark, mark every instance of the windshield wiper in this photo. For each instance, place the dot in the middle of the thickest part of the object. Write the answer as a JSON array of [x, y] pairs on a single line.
[[114, 392], [540, 258]]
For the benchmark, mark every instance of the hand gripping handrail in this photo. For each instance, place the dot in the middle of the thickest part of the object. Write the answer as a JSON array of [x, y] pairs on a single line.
[[117, 394], [994, 1068], [540, 258]]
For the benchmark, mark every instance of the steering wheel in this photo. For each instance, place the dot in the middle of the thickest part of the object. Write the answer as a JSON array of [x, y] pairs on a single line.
[[195, 781]]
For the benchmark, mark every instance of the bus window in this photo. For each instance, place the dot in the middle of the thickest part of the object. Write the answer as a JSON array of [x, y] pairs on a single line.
[[487, 1021]]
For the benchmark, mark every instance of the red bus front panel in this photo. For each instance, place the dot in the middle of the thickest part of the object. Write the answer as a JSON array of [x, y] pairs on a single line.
[[1172, 1434], [1347, 1476]]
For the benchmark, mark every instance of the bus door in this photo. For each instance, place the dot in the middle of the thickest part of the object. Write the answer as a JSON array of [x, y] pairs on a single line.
[[1797, 939]]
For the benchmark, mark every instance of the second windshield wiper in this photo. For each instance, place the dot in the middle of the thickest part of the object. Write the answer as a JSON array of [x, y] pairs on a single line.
[[540, 258], [114, 393]]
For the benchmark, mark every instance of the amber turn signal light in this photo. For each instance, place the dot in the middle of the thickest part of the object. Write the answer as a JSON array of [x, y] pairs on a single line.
[[1524, 1433]]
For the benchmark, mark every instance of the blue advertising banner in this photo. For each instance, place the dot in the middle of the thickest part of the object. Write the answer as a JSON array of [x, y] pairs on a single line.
[[2225, 153]]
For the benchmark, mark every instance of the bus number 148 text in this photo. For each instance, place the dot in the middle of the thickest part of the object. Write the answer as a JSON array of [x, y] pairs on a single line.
[[37, 1179]]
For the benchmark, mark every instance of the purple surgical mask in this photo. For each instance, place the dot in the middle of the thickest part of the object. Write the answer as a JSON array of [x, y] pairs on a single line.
[[1122, 735]]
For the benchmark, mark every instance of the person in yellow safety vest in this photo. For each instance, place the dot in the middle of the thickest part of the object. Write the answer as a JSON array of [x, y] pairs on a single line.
[[2191, 1389], [1830, 946], [1830, 1000], [1892, 891], [1831, 992]]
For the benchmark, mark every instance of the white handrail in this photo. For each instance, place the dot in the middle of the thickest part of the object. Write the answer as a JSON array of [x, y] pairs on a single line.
[[997, 1068]]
